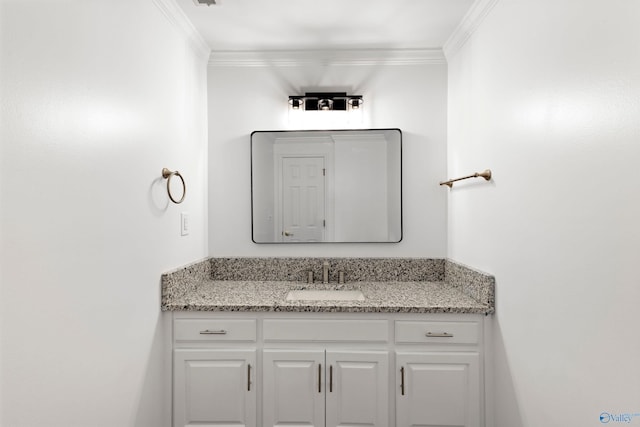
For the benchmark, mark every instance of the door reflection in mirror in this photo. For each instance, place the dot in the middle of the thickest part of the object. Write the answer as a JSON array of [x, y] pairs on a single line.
[[326, 186]]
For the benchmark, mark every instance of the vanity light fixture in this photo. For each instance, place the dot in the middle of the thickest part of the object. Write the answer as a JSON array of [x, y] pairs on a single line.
[[355, 103], [325, 101], [296, 102], [325, 104]]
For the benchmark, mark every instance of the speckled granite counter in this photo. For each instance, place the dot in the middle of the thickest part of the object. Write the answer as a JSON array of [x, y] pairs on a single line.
[[389, 286]]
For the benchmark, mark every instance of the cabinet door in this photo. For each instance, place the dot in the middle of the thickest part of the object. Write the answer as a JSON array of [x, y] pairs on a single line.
[[357, 388], [214, 388], [438, 389], [293, 388]]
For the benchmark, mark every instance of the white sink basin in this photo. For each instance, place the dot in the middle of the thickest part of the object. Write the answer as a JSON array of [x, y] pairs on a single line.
[[325, 295]]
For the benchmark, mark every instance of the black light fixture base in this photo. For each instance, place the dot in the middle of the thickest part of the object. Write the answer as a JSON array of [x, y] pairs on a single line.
[[325, 101]]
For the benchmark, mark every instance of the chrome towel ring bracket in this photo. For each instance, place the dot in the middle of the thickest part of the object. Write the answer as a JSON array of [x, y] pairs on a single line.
[[167, 174]]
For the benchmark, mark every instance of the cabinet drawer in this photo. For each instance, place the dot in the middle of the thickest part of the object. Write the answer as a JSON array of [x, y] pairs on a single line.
[[325, 330], [214, 330], [408, 332]]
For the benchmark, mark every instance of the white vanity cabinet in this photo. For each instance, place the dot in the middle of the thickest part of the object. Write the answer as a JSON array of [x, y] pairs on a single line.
[[325, 372], [292, 389], [325, 388], [214, 386], [443, 387], [438, 389], [327, 369], [358, 390]]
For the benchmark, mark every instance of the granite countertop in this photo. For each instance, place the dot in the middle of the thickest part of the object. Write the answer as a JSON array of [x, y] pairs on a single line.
[[193, 288]]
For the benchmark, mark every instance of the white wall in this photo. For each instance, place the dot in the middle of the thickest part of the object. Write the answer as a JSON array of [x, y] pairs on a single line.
[[394, 184], [263, 196], [410, 97], [97, 97], [361, 195], [547, 95]]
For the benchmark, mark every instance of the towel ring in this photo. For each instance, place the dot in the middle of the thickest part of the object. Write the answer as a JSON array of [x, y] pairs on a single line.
[[167, 174]]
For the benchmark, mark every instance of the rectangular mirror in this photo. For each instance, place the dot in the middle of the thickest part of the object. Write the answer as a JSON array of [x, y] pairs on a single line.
[[326, 186]]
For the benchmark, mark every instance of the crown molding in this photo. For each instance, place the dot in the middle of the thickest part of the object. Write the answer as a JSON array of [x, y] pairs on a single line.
[[178, 19], [299, 58], [469, 24]]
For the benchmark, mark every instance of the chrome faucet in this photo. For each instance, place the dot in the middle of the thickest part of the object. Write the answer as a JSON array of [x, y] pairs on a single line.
[[325, 272]]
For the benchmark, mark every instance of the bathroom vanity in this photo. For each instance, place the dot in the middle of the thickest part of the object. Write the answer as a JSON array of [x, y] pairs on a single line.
[[245, 352]]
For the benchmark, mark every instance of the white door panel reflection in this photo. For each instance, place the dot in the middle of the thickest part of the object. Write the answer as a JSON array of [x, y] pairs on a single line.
[[303, 199], [326, 186]]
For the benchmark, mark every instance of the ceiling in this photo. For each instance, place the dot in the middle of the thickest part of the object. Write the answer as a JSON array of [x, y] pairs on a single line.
[[250, 25]]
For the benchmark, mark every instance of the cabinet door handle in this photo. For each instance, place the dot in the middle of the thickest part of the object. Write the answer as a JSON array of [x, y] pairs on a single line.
[[402, 381], [248, 376], [439, 334], [330, 378], [319, 378], [218, 332]]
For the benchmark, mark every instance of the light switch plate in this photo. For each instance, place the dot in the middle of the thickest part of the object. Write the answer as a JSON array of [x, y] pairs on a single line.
[[184, 223]]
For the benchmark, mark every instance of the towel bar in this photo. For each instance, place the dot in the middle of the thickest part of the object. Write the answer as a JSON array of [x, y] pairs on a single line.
[[486, 175]]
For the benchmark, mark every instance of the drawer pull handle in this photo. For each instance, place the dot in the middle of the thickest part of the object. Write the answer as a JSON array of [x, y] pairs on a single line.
[[402, 381], [319, 378], [208, 332], [248, 376], [330, 378], [439, 335]]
